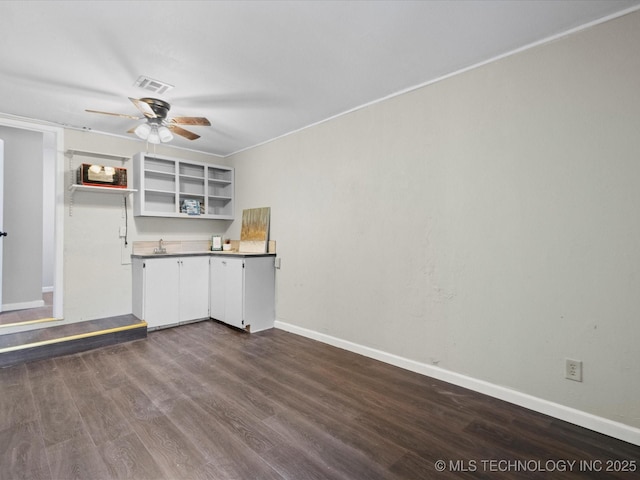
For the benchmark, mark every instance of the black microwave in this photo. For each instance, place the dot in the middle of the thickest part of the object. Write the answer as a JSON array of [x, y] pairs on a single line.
[[103, 176]]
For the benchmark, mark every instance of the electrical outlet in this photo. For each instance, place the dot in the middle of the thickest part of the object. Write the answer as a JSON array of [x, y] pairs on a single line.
[[573, 370]]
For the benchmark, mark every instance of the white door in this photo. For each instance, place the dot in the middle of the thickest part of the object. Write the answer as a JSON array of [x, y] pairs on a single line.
[[233, 293], [216, 289], [194, 288], [226, 290], [2, 232], [161, 292]]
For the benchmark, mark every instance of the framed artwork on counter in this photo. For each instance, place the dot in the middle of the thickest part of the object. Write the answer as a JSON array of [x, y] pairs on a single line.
[[216, 243]]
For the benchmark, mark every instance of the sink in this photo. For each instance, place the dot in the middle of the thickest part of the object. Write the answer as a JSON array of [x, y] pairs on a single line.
[[160, 250]]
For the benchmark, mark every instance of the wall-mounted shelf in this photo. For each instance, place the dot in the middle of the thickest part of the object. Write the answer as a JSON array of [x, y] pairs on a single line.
[[104, 156], [92, 188], [74, 187]]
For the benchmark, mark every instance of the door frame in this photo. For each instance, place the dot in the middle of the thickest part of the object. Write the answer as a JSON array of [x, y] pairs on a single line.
[[1, 214], [58, 133]]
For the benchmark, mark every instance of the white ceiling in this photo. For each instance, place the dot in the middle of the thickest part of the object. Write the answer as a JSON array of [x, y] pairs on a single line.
[[256, 69]]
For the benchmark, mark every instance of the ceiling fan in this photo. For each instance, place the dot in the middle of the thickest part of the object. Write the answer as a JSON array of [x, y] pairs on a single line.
[[158, 127]]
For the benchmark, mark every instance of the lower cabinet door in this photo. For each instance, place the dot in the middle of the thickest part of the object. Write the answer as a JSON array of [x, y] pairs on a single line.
[[226, 290], [161, 292], [216, 288], [233, 298], [194, 288]]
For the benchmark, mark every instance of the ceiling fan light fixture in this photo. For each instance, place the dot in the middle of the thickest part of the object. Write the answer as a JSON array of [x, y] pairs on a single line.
[[165, 134], [155, 129], [143, 130], [154, 136]]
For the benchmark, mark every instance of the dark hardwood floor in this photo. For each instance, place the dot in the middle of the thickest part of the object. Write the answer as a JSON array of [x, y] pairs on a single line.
[[19, 316], [204, 401]]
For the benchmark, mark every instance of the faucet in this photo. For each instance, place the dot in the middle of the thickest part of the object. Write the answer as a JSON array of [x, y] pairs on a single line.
[[160, 248]]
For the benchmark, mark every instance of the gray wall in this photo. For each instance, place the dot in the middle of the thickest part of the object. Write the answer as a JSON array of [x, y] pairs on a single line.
[[487, 223], [48, 211], [22, 248]]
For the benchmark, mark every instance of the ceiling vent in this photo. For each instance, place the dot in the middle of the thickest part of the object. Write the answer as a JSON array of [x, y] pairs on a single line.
[[152, 85]]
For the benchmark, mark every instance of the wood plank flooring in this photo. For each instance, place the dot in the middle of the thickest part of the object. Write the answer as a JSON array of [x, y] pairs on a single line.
[[203, 401], [19, 316], [66, 339]]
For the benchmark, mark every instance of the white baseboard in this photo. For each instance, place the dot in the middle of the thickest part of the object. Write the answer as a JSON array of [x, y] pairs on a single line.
[[47, 289], [22, 306], [577, 417]]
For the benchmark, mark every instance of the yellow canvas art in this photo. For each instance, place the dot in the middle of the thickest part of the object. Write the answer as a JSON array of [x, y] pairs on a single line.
[[254, 234]]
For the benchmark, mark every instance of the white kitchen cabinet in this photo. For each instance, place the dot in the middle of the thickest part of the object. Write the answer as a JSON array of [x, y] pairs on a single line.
[[225, 284], [194, 288], [170, 290], [242, 291], [164, 183]]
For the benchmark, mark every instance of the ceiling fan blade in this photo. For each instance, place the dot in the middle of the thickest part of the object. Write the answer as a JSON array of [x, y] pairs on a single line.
[[202, 121], [123, 115], [144, 107], [182, 132]]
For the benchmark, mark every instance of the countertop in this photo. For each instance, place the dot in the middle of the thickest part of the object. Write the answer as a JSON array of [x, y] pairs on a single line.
[[203, 253]]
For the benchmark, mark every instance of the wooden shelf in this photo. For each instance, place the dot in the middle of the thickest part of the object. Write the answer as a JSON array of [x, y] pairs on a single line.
[[75, 187], [159, 172], [155, 191], [92, 188], [105, 156]]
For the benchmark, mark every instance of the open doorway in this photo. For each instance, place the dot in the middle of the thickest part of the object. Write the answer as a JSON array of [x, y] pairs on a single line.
[[31, 273]]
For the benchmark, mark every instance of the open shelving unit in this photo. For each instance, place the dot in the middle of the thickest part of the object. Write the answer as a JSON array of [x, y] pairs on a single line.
[[74, 187], [164, 183]]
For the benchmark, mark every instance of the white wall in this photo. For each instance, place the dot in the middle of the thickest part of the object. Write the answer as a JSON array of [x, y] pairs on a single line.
[[22, 247], [487, 224], [97, 270], [48, 211]]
